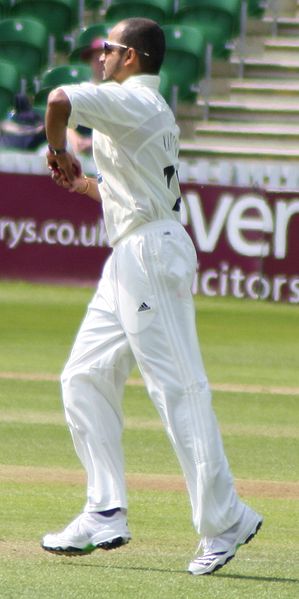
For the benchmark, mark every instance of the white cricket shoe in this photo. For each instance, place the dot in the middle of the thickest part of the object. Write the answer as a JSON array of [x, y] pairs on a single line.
[[87, 532], [217, 551]]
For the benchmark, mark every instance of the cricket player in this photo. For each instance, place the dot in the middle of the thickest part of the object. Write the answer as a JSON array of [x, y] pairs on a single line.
[[142, 311]]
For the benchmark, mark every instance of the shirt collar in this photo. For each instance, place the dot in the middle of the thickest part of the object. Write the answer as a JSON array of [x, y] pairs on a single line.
[[152, 81]]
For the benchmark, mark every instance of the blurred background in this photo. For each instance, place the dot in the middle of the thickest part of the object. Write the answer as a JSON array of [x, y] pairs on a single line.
[[231, 77]]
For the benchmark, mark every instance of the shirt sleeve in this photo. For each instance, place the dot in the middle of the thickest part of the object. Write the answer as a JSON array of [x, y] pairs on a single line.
[[109, 108]]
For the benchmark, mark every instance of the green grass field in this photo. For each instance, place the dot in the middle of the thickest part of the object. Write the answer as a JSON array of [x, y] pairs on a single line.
[[247, 343]]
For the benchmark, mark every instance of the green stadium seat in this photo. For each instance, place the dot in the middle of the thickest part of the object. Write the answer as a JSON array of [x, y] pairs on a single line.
[[62, 75], [24, 43], [218, 20], [184, 59], [255, 7], [58, 16], [86, 36], [9, 85], [158, 10]]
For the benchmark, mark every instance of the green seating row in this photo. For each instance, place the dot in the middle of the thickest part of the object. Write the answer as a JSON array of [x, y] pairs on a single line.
[[26, 28], [164, 11], [23, 52], [61, 16], [24, 43], [24, 40], [217, 20], [182, 67], [56, 11], [58, 16]]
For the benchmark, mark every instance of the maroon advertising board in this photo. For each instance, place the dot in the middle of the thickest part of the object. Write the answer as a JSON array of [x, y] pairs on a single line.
[[246, 239], [48, 233]]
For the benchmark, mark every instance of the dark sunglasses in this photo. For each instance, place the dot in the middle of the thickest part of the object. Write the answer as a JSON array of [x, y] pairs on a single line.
[[110, 46]]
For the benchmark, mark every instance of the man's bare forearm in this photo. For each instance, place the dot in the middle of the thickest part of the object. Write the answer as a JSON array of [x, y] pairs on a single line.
[[57, 115]]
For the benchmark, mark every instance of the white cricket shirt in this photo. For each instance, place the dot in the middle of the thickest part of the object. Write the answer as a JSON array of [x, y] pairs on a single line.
[[135, 148]]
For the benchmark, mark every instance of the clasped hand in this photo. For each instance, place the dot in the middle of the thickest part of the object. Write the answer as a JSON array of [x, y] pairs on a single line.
[[65, 170]]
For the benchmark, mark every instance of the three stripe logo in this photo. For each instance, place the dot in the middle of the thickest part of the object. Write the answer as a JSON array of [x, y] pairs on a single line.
[[143, 307]]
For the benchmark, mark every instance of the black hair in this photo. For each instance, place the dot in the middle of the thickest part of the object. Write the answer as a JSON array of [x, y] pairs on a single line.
[[145, 35]]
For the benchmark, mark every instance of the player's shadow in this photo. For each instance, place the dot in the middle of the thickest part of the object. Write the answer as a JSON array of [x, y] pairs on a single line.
[[259, 578], [174, 571]]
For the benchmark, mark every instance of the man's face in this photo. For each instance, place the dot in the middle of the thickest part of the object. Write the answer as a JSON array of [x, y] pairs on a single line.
[[114, 57]]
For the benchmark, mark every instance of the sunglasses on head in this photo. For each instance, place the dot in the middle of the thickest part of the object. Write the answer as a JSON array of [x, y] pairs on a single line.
[[110, 46]]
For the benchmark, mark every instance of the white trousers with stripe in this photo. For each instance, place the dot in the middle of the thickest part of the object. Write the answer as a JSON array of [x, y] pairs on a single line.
[[154, 266]]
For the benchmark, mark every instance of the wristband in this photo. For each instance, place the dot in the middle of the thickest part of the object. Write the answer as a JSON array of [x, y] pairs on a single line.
[[57, 151]]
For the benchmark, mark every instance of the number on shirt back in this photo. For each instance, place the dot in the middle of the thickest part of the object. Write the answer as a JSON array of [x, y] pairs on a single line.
[[172, 181]]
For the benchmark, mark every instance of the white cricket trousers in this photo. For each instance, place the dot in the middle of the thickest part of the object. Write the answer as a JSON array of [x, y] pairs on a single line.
[[143, 312]]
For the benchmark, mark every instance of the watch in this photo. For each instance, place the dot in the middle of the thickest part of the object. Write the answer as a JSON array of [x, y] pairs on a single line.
[[56, 151]]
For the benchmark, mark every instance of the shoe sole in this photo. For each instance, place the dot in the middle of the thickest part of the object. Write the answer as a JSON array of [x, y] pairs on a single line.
[[230, 557], [76, 551]]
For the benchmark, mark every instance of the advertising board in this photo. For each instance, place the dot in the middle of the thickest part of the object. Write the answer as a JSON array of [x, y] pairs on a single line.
[[246, 239]]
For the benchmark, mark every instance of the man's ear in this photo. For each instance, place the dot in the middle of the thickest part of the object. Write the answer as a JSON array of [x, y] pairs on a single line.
[[132, 58]]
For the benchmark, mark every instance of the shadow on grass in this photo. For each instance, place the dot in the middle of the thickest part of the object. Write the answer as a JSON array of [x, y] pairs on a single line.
[[173, 571], [259, 578]]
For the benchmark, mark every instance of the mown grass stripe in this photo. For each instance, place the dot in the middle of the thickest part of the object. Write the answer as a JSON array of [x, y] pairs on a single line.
[[135, 423], [139, 481], [225, 387]]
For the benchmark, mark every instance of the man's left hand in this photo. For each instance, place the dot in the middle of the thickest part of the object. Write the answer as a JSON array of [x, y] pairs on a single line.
[[65, 164]]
